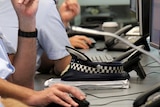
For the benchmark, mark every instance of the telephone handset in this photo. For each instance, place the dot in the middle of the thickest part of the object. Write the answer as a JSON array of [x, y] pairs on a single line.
[[150, 98], [111, 41]]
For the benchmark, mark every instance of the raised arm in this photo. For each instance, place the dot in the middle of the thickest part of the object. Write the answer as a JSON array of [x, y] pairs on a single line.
[[25, 58]]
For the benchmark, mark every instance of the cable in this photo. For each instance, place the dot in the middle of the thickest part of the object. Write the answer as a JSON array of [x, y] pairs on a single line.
[[115, 95], [122, 30], [149, 64], [112, 102], [153, 66], [153, 73], [106, 34]]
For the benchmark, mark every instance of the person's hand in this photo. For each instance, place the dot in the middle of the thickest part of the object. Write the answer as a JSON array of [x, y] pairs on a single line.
[[68, 10], [79, 41], [57, 93], [26, 12]]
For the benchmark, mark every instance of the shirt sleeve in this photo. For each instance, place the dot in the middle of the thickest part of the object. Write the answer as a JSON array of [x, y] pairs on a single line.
[[7, 43], [6, 67], [52, 36]]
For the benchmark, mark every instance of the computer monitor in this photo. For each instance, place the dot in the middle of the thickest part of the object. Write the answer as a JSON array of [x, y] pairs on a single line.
[[155, 24], [142, 8], [143, 14]]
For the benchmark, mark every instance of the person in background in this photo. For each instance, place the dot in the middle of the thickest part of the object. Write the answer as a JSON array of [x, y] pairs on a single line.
[[27, 35], [68, 10]]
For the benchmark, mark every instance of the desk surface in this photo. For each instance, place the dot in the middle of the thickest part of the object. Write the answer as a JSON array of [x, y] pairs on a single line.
[[118, 97]]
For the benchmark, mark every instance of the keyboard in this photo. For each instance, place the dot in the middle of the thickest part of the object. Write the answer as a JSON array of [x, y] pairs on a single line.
[[101, 58], [108, 58]]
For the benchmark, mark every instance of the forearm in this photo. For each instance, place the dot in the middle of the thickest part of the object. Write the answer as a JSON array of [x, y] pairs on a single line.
[[25, 58], [24, 62], [61, 64], [10, 90], [56, 66]]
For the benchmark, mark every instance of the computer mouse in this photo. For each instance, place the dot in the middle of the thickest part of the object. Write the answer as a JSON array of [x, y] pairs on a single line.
[[82, 103], [93, 42]]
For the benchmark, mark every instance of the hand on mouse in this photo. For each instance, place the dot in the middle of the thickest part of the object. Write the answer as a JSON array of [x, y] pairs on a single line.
[[80, 41], [60, 94]]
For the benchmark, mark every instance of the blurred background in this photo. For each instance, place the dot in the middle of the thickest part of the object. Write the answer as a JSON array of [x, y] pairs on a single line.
[[95, 12]]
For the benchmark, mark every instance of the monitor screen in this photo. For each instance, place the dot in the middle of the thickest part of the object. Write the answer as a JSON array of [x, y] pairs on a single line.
[[144, 11], [155, 24]]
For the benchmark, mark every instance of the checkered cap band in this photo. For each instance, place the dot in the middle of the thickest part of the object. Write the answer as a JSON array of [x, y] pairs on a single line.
[[96, 70]]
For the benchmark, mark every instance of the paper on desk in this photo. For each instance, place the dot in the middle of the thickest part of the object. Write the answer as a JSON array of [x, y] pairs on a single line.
[[135, 31], [123, 84]]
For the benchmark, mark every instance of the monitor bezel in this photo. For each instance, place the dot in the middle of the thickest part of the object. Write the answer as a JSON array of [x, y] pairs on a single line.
[[152, 44], [143, 5]]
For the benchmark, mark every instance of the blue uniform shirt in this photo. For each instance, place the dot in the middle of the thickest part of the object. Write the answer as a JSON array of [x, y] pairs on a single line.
[[6, 67]]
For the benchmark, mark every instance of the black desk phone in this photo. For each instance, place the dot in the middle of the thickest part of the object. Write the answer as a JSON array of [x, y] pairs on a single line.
[[150, 98], [113, 44]]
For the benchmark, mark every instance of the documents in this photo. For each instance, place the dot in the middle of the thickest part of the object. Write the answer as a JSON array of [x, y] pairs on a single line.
[[90, 84]]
